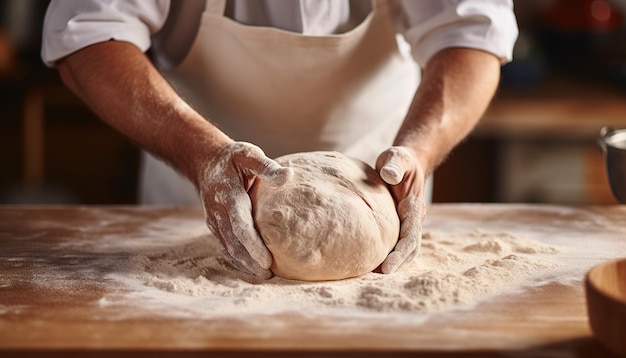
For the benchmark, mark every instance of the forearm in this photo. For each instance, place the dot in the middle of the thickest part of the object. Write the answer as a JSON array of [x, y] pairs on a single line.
[[119, 83], [457, 86]]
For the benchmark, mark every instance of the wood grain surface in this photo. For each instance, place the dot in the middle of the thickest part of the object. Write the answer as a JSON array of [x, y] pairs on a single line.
[[64, 316]]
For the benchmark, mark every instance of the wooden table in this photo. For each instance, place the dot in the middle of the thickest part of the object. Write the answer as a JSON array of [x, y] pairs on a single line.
[[64, 316]]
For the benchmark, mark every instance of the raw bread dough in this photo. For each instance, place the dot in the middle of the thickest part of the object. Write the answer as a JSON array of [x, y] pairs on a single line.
[[335, 219]]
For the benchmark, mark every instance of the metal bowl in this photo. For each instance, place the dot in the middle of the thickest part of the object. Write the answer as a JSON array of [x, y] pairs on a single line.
[[605, 287], [613, 144]]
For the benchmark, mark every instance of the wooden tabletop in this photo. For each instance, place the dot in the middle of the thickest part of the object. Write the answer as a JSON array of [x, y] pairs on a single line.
[[66, 313]]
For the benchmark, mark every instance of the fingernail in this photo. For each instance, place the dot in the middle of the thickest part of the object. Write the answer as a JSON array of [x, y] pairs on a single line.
[[391, 174]]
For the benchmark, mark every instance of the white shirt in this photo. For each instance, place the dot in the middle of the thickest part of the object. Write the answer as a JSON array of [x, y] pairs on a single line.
[[427, 25]]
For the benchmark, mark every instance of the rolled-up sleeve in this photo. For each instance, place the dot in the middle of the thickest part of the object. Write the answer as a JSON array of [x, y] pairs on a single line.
[[430, 26], [70, 25]]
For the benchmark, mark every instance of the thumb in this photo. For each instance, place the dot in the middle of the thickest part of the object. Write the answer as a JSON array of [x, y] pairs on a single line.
[[254, 161], [393, 164], [272, 172]]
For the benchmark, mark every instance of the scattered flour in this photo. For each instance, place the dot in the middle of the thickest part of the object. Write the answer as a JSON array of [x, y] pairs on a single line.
[[454, 269]]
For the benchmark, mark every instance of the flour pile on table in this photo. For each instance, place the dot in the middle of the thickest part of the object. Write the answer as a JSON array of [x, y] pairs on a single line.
[[454, 269]]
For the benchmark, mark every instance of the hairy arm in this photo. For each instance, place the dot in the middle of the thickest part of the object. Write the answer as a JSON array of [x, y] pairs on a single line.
[[456, 89], [120, 84], [457, 86]]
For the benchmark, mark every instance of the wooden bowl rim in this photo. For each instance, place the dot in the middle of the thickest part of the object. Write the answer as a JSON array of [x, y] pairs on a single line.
[[591, 278]]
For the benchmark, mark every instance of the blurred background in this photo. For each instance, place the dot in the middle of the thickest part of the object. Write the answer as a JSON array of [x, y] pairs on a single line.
[[537, 143]]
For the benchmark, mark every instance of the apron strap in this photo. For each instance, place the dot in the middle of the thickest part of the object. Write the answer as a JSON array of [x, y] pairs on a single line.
[[215, 7]]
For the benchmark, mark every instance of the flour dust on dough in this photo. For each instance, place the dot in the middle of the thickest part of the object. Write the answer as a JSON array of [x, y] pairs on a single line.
[[334, 220]]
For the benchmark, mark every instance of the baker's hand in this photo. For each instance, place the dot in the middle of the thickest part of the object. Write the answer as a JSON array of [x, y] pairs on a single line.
[[223, 187], [399, 167]]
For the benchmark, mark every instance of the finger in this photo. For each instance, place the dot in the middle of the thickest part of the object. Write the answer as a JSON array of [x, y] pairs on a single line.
[[397, 260], [273, 173], [406, 250], [241, 259], [393, 164], [243, 231], [411, 211], [239, 266], [233, 222], [257, 163]]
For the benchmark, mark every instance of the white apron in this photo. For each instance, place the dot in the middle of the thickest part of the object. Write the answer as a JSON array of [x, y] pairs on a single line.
[[287, 92]]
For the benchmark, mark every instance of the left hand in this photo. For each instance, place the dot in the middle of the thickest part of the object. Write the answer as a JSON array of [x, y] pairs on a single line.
[[400, 168], [223, 184]]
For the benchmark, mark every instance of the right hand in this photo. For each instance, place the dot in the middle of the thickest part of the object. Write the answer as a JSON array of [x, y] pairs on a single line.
[[223, 186]]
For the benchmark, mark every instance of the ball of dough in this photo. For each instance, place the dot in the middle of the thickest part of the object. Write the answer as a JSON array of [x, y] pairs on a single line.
[[335, 219]]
